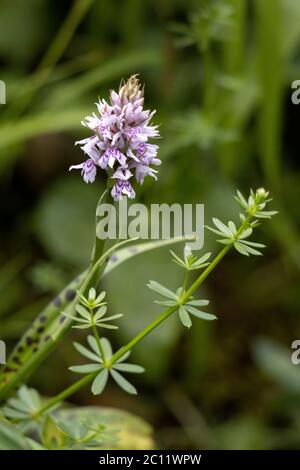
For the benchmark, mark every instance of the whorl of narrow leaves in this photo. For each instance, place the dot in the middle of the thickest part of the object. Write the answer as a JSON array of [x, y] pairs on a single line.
[[105, 369], [91, 312], [190, 261], [24, 406], [254, 209], [184, 309]]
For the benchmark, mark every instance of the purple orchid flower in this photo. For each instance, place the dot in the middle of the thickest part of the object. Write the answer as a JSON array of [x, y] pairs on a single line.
[[120, 140]]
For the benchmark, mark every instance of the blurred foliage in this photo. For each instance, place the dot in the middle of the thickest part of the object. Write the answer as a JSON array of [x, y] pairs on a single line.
[[219, 74], [109, 428]]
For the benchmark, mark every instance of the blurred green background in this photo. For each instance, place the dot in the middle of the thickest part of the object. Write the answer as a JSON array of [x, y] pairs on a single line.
[[219, 74]]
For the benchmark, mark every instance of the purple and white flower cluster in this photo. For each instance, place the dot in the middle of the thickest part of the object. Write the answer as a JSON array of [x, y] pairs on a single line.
[[119, 143]]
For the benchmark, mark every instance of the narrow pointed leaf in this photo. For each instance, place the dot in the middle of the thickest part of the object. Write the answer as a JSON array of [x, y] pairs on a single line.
[[99, 382], [93, 343], [222, 227], [198, 313], [26, 397], [123, 383], [198, 303], [100, 313], [252, 251], [184, 317], [86, 352], [257, 245], [155, 286], [165, 303], [240, 248], [131, 368], [106, 347], [113, 317], [85, 368], [246, 233], [83, 312], [108, 326], [124, 357], [82, 327], [232, 227]]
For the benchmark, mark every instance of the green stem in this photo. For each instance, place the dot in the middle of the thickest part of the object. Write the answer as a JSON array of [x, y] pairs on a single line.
[[97, 338], [66, 393], [185, 280], [185, 298], [162, 317], [156, 322]]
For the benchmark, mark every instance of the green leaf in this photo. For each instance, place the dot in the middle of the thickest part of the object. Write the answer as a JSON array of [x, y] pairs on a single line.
[[177, 259], [222, 227], [24, 405], [113, 317], [100, 313], [93, 343], [18, 404], [241, 200], [166, 303], [14, 414], [85, 368], [83, 312], [123, 383], [100, 297], [156, 287], [201, 261], [87, 353], [251, 251], [240, 248], [198, 303], [124, 357], [198, 313], [225, 241], [131, 368], [82, 327], [11, 438], [184, 317], [232, 227], [123, 429], [246, 233], [258, 245], [99, 382], [27, 397], [106, 348], [217, 232], [108, 326]]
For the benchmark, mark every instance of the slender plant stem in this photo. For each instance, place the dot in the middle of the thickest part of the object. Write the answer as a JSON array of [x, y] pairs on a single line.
[[162, 317], [186, 296], [66, 393], [156, 322], [97, 338], [185, 280]]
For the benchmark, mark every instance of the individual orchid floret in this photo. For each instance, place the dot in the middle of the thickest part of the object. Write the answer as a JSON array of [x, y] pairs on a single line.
[[122, 186], [88, 170], [120, 140]]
